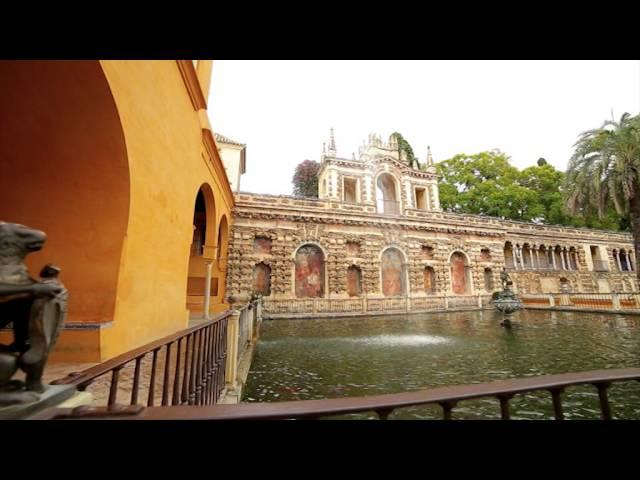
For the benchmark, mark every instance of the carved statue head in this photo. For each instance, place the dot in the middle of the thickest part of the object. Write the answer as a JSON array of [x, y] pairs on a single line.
[[17, 240]]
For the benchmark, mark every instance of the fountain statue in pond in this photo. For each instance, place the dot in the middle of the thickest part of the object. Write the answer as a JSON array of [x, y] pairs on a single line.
[[506, 301], [36, 309]]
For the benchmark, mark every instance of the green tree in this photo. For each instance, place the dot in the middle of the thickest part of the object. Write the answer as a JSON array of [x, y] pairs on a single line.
[[305, 179], [486, 184], [604, 172], [546, 182], [404, 146]]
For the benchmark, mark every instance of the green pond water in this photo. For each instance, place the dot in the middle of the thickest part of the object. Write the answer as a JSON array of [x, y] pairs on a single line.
[[330, 358]]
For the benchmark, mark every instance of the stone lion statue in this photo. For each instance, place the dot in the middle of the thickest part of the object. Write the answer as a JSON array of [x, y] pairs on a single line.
[[36, 309]]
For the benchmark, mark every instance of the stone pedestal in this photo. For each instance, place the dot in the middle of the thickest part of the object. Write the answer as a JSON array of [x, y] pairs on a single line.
[[53, 396]]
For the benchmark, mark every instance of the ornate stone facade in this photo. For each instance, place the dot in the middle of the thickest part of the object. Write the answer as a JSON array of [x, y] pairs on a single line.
[[433, 253]]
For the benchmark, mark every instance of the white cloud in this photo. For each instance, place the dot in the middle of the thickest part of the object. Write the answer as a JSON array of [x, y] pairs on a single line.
[[283, 110]]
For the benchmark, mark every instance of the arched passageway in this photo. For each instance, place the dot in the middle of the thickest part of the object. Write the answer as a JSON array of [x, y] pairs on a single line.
[[201, 280], [66, 171]]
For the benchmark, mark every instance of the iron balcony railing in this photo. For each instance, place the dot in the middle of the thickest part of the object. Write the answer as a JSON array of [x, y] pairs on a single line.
[[389, 207], [187, 367], [383, 405]]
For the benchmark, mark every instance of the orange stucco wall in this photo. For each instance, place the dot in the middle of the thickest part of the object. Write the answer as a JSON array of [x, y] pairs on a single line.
[[114, 151]]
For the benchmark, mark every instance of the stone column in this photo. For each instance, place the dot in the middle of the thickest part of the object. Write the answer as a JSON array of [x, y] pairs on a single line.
[[207, 289], [632, 261], [515, 260], [617, 255], [537, 259], [553, 258], [519, 256]]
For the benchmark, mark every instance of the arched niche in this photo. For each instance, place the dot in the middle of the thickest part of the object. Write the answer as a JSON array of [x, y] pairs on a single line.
[[429, 280], [262, 279], [354, 281], [393, 273], [460, 274], [309, 271]]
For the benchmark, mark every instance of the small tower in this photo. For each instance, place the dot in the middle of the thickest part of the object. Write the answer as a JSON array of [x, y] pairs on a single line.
[[332, 144], [429, 157]]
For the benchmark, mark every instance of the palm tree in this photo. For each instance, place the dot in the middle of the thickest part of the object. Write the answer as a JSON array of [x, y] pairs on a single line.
[[605, 170]]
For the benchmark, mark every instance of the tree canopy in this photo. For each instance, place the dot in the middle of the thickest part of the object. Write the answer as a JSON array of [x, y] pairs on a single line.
[[486, 183], [305, 179]]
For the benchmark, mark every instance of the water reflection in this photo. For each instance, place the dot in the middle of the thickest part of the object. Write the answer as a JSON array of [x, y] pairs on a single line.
[[329, 358]]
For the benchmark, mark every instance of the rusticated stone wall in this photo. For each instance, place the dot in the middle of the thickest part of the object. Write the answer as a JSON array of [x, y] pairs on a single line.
[[272, 230]]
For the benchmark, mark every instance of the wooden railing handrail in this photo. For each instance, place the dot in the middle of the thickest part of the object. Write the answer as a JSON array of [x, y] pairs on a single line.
[[383, 405], [90, 374]]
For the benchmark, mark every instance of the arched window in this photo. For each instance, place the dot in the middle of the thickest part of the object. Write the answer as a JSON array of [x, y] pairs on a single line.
[[262, 279], [354, 281], [488, 280], [508, 255], [429, 280], [393, 273], [386, 194], [460, 281], [309, 272]]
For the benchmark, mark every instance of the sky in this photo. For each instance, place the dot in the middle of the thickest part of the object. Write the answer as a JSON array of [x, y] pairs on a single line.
[[283, 110]]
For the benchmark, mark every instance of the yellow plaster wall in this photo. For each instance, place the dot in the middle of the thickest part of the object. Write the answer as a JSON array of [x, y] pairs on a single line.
[[167, 166]]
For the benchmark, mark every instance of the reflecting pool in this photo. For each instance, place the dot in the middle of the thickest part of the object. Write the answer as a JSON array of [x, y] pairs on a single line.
[[330, 358]]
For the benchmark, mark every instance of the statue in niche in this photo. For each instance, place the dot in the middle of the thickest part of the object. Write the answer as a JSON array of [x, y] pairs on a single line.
[[505, 279], [36, 309]]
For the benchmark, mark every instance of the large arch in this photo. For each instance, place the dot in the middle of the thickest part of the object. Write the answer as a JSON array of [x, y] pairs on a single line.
[[201, 251], [393, 272], [309, 271], [387, 193], [66, 171]]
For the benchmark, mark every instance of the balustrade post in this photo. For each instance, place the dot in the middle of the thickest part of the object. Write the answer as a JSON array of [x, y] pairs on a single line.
[[251, 313], [479, 301], [315, 305], [233, 337], [615, 300], [364, 304], [446, 302], [552, 301], [407, 305]]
